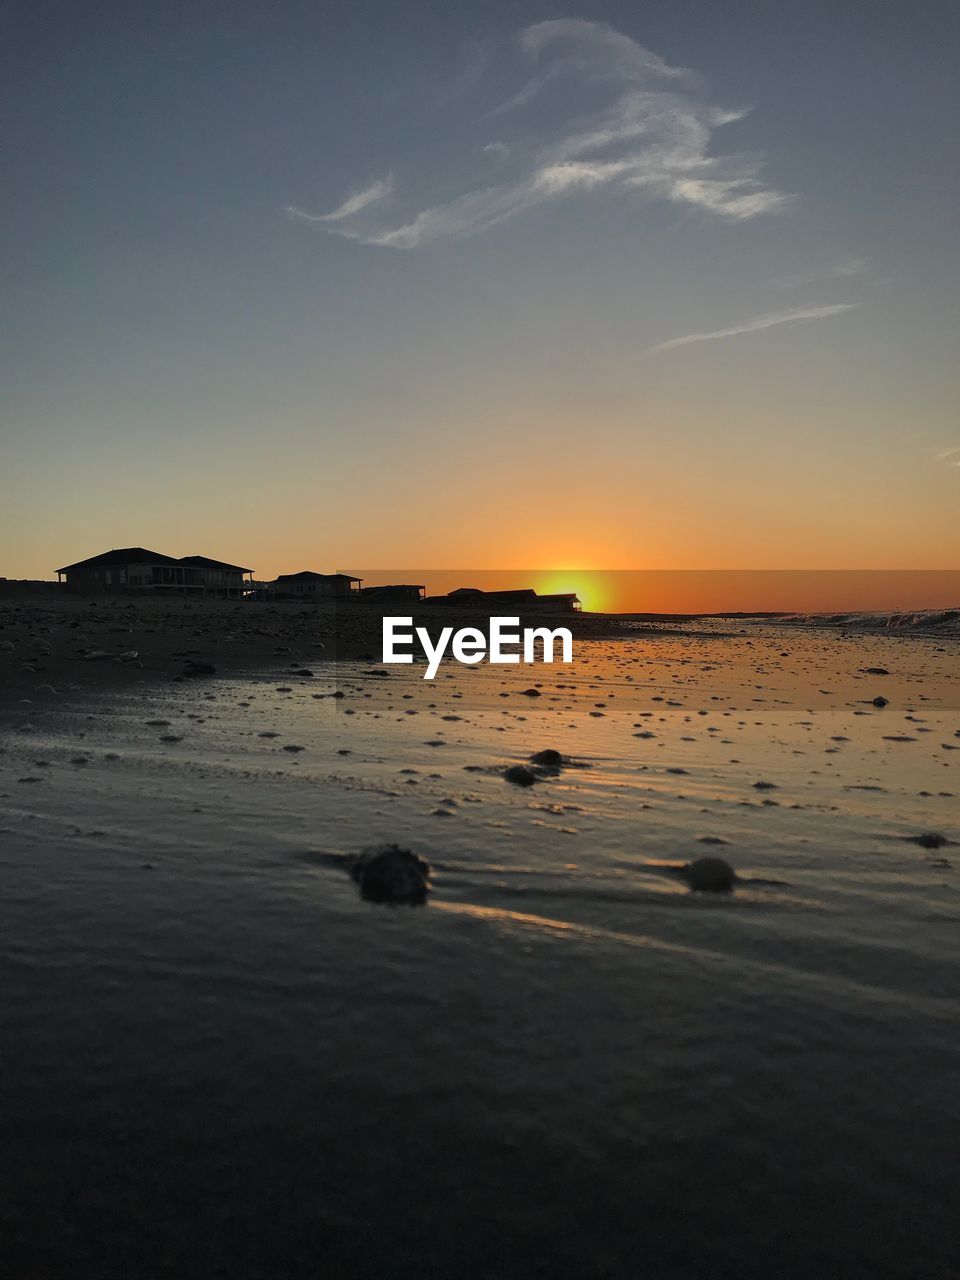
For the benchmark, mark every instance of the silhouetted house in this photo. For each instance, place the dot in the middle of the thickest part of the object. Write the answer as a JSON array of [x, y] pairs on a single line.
[[122, 569], [308, 585], [215, 577], [559, 600], [394, 593], [467, 597], [474, 598], [137, 569], [524, 598]]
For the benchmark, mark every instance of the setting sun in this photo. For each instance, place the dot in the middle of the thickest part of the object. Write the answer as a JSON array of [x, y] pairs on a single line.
[[595, 590]]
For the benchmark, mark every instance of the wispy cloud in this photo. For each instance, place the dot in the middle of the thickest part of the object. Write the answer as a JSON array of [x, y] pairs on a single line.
[[767, 321], [498, 149], [950, 456], [844, 270], [353, 205], [648, 133]]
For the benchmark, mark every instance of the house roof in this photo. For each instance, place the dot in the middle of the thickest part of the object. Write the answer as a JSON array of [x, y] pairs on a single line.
[[204, 562], [306, 575], [121, 555], [462, 593]]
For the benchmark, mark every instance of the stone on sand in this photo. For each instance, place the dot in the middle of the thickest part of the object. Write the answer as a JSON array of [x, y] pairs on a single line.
[[387, 873], [929, 840], [710, 875], [520, 775]]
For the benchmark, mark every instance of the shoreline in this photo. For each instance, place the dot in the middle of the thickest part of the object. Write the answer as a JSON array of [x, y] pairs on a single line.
[[54, 648]]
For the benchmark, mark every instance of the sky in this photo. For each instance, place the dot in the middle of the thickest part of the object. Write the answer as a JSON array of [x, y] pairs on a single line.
[[619, 286]]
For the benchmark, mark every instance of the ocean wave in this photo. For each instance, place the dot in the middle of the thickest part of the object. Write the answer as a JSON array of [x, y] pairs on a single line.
[[938, 621]]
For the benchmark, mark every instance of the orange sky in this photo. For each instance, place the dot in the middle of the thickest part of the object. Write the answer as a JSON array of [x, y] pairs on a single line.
[[374, 331], [711, 591]]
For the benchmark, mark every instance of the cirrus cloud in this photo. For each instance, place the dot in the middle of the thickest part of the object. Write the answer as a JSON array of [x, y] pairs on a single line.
[[648, 133], [768, 321]]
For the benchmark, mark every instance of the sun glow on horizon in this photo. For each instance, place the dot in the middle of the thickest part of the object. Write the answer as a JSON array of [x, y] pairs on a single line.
[[596, 592]]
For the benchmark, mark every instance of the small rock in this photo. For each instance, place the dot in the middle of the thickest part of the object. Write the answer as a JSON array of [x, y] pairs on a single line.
[[881, 701], [387, 873], [929, 840], [548, 758], [520, 775], [199, 669], [710, 875]]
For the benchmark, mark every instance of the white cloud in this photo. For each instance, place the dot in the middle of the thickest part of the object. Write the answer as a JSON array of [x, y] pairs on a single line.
[[650, 132], [843, 270], [353, 205], [851, 267], [768, 321]]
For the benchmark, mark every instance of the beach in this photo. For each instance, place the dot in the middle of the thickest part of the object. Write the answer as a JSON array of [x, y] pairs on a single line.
[[222, 1060], [59, 645]]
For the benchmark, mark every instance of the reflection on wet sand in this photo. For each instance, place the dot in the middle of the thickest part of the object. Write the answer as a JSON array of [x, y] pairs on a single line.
[[208, 1017]]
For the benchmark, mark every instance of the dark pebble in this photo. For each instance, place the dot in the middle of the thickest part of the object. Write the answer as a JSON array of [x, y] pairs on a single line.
[[520, 775], [929, 840], [387, 873], [710, 875]]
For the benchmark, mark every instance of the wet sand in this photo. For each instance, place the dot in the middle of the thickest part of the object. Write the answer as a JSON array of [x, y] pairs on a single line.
[[222, 1061], [46, 643]]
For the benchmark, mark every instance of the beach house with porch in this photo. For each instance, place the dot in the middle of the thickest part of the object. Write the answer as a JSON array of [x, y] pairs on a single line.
[[307, 585], [136, 569]]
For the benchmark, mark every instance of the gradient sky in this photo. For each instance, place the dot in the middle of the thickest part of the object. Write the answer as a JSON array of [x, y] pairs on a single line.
[[670, 285]]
